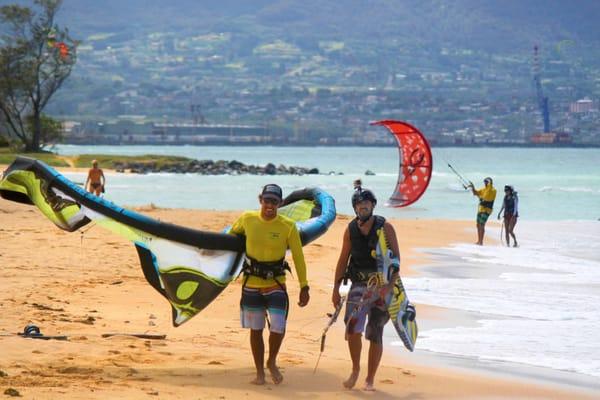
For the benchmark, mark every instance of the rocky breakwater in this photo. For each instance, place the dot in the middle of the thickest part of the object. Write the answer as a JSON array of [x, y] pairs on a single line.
[[210, 167]]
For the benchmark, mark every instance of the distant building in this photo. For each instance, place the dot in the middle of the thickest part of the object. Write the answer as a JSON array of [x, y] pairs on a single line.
[[130, 132], [551, 138], [581, 106]]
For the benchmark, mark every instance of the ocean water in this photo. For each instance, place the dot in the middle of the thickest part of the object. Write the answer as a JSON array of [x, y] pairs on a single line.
[[535, 305], [553, 184]]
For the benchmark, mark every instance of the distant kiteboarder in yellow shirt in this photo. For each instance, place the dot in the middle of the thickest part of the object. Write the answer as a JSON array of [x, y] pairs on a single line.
[[486, 196], [95, 181]]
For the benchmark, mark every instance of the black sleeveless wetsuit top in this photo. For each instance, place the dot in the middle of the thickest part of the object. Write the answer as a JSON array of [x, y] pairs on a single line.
[[509, 205], [362, 259]]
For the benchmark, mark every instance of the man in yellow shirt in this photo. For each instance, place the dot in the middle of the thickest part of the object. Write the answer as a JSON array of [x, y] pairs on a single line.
[[486, 196], [268, 236]]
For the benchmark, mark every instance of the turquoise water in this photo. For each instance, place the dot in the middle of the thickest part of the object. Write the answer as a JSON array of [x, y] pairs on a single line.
[[553, 183], [535, 305]]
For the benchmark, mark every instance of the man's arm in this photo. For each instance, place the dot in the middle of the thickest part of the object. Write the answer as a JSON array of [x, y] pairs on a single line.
[[295, 245], [341, 266], [87, 181], [237, 228]]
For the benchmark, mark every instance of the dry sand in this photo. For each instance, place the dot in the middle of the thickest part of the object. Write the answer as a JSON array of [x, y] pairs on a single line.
[[86, 284]]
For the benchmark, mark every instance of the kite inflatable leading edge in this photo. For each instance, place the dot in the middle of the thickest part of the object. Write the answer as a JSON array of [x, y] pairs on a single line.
[[416, 163], [189, 267]]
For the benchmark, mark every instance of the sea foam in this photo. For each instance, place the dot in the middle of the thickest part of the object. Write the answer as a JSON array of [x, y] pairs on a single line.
[[538, 304]]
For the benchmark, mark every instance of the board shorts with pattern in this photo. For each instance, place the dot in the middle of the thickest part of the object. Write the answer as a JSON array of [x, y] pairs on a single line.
[[375, 309], [482, 218], [256, 302]]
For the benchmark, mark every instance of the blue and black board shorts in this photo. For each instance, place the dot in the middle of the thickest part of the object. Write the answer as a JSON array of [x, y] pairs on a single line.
[[482, 218], [374, 311], [255, 304]]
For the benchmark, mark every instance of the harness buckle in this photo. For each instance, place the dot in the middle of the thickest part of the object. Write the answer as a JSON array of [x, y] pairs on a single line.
[[265, 270]]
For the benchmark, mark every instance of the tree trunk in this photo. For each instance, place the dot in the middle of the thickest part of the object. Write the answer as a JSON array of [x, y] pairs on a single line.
[[37, 128]]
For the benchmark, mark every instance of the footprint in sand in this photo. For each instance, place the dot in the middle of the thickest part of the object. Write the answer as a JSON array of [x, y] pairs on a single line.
[[292, 361]]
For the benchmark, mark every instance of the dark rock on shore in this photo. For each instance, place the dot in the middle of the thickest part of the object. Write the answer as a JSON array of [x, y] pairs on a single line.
[[210, 167]]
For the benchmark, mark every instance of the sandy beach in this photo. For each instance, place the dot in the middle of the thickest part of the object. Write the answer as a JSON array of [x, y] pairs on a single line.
[[89, 283]]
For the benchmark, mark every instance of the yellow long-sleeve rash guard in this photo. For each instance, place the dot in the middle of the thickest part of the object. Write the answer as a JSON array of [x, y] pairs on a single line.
[[488, 194], [268, 241]]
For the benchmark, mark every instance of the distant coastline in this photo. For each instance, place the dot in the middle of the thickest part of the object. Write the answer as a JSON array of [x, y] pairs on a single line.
[[257, 144]]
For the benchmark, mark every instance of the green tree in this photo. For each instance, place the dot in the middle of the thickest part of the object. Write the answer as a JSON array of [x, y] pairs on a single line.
[[36, 57], [51, 129], [3, 141]]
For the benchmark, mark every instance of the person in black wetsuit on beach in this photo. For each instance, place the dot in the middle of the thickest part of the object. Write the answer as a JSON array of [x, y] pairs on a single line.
[[510, 206]]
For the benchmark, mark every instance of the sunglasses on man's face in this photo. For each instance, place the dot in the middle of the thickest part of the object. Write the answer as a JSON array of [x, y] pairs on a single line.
[[270, 200]]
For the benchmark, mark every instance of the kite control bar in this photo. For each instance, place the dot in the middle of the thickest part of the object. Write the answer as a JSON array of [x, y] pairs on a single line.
[[463, 181]]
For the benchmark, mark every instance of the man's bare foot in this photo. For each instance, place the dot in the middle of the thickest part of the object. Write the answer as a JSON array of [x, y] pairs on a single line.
[[351, 381], [275, 374], [259, 380], [369, 387]]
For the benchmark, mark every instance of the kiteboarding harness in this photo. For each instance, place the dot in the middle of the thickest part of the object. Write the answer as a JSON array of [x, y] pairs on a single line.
[[363, 261]]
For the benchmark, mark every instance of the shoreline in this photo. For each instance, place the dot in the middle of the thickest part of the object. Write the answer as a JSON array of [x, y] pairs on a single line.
[[82, 282], [501, 369], [447, 264], [318, 144]]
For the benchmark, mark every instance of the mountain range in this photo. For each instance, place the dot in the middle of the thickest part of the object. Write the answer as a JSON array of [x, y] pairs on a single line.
[[487, 25]]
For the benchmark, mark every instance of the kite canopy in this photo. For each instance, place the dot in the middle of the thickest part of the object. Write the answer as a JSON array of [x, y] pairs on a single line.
[[189, 267], [416, 162]]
